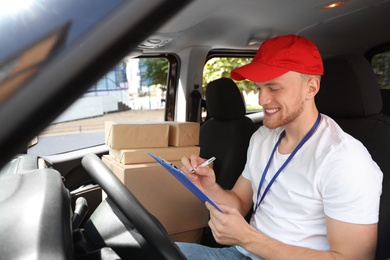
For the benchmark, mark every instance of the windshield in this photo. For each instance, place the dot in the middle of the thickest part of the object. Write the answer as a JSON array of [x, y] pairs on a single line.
[[44, 28], [51, 51], [34, 20]]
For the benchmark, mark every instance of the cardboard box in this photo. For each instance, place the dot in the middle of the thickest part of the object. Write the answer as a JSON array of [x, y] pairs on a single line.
[[131, 156], [130, 135], [184, 133], [182, 214]]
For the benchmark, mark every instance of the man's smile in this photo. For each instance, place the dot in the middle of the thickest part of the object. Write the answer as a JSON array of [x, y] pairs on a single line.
[[272, 111]]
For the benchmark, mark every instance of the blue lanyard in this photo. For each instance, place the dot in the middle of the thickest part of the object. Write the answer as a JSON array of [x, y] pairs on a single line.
[[305, 138]]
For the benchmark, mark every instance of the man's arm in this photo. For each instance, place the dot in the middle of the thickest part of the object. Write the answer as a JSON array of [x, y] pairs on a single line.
[[347, 241]]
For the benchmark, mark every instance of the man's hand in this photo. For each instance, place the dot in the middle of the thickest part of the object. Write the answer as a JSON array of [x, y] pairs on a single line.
[[230, 227], [347, 241], [203, 177]]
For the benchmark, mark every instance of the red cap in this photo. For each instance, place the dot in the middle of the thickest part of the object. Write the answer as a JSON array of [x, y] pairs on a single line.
[[280, 55]]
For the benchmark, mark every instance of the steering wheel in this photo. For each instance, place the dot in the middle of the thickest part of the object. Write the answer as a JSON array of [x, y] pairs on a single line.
[[132, 209]]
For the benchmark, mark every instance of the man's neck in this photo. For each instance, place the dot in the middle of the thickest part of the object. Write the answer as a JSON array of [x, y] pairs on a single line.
[[296, 131]]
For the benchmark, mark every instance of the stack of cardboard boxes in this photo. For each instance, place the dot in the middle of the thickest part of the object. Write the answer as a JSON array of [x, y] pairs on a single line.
[[178, 210]]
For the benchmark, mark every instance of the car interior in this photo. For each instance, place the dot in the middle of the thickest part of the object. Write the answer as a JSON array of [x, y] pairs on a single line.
[[361, 117], [80, 196]]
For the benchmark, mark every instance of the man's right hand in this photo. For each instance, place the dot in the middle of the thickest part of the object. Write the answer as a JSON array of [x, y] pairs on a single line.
[[203, 177]]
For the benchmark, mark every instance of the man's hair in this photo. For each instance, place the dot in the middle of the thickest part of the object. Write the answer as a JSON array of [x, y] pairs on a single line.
[[308, 76]]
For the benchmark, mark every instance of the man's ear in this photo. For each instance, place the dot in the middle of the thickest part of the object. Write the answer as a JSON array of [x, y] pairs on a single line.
[[313, 86]]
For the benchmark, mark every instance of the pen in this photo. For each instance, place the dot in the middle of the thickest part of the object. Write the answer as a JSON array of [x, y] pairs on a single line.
[[205, 163]]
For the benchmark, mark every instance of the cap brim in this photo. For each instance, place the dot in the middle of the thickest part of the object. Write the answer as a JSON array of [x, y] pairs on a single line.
[[257, 72]]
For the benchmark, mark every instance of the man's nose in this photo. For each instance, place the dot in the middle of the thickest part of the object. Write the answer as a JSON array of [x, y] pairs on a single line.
[[264, 98]]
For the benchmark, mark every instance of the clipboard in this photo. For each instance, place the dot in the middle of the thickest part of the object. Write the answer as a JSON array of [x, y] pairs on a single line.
[[178, 174]]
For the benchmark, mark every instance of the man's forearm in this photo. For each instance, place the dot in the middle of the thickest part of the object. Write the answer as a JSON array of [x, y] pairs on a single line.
[[268, 248], [227, 197]]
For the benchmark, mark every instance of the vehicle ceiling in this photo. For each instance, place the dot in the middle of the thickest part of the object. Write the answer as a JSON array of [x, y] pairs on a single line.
[[356, 26]]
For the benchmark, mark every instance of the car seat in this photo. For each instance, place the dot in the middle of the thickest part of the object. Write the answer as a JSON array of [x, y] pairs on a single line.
[[225, 135], [350, 95], [385, 93]]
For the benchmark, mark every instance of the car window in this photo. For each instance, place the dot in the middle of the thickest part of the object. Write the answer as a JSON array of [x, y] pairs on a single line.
[[218, 67], [381, 65], [134, 90]]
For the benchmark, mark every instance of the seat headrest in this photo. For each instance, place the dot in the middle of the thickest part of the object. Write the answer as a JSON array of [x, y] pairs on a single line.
[[348, 88], [224, 100]]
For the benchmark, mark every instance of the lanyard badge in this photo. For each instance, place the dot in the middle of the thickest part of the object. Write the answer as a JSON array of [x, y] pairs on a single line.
[[301, 143]]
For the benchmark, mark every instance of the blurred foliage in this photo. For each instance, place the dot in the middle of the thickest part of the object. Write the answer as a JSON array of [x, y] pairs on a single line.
[[216, 68], [381, 65], [219, 67], [156, 70]]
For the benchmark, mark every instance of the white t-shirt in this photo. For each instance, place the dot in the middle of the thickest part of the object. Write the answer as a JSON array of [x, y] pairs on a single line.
[[332, 174]]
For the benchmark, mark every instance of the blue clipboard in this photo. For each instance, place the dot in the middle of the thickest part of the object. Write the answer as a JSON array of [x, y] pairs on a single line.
[[184, 180]]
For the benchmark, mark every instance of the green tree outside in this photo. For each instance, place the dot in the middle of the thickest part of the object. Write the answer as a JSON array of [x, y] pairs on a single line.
[[381, 66], [220, 67], [156, 72], [216, 68]]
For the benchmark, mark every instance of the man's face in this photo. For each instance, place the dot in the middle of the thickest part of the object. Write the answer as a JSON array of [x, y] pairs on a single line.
[[282, 99]]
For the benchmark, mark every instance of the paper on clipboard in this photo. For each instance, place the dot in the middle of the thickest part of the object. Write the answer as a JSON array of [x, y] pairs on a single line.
[[185, 180]]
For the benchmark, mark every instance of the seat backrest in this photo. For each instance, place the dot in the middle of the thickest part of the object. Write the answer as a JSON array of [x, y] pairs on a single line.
[[385, 93], [350, 95], [227, 133]]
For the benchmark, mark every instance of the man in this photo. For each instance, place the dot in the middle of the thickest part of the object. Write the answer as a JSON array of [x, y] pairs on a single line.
[[314, 189]]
